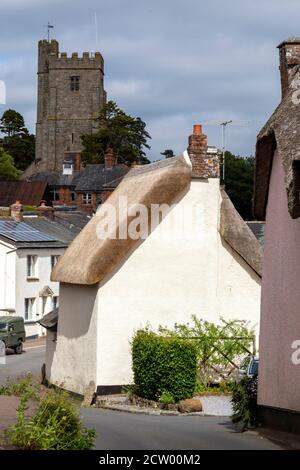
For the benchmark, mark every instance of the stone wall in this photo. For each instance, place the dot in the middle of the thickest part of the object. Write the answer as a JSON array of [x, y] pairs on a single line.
[[65, 114]]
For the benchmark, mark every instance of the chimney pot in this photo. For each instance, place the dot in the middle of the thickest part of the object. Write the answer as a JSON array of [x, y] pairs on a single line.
[[197, 129], [45, 211], [16, 211], [289, 56], [109, 158]]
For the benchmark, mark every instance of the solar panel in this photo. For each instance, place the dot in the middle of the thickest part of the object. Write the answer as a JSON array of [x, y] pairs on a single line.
[[22, 232]]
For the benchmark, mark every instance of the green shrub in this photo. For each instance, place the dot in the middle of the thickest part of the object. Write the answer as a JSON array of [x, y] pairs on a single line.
[[219, 345], [166, 398], [22, 386], [55, 426], [220, 388], [30, 208], [163, 365], [244, 401]]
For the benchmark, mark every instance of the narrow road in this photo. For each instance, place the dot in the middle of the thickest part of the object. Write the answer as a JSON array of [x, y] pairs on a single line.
[[31, 360], [126, 431]]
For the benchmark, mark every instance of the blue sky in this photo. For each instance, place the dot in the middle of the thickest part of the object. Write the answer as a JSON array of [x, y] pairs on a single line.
[[171, 62]]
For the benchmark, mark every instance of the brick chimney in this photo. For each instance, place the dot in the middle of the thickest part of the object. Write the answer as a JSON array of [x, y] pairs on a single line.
[[16, 211], [109, 158], [204, 165], [45, 211], [289, 57]]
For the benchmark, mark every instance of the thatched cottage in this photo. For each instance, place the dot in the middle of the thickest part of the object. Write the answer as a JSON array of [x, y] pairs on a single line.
[[198, 257]]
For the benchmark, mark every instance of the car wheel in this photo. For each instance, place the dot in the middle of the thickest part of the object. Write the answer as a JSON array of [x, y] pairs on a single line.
[[19, 348]]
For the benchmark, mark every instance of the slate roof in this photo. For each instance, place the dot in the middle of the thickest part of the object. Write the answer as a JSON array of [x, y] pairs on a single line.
[[57, 178], [258, 228], [29, 192], [91, 178], [94, 177], [63, 234], [73, 220], [50, 320]]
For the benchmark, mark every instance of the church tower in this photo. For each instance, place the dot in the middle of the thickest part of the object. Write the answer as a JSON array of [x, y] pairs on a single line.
[[70, 95]]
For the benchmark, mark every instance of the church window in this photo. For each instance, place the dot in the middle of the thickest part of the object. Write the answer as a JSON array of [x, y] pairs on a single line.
[[74, 83]]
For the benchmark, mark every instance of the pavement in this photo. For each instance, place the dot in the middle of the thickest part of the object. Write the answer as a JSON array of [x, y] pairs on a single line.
[[8, 409], [126, 431], [31, 360]]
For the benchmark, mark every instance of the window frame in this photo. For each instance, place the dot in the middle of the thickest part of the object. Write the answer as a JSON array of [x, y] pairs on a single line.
[[74, 83], [31, 266], [87, 198], [53, 260], [55, 303], [29, 309]]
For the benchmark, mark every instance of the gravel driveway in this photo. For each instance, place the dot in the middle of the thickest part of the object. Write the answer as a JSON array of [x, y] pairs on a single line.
[[216, 405]]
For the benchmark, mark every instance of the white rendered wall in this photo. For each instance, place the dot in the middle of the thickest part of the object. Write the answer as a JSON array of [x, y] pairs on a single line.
[[15, 287], [71, 363], [7, 276], [166, 280]]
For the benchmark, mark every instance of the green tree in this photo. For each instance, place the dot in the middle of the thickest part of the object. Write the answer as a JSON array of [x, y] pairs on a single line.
[[168, 153], [239, 181], [127, 136], [8, 171], [17, 141], [12, 123]]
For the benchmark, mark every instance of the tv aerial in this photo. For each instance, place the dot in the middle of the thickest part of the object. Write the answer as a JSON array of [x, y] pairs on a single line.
[[223, 125]]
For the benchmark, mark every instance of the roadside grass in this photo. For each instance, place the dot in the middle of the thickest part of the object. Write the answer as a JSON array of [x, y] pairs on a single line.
[[22, 386]]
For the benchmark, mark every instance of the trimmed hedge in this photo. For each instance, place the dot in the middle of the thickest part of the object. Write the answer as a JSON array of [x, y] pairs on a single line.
[[163, 365]]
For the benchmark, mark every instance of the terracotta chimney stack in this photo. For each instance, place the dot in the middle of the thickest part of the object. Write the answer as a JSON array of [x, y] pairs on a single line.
[[16, 211], [197, 129], [45, 211], [109, 158], [289, 56], [204, 164]]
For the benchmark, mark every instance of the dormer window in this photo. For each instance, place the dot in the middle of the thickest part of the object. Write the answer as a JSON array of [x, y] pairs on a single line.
[[67, 168], [74, 83]]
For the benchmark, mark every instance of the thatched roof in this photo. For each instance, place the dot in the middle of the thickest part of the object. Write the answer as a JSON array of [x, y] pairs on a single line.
[[281, 132], [89, 259], [238, 235]]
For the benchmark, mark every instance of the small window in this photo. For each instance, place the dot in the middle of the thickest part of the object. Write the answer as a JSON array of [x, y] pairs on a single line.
[[73, 196], [54, 302], [74, 83], [29, 308], [31, 266], [54, 259], [54, 195], [87, 198]]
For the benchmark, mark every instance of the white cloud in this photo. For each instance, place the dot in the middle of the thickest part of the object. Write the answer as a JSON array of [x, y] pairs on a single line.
[[125, 88]]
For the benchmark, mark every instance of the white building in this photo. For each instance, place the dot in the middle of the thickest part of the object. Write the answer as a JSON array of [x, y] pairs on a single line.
[[29, 249], [200, 258]]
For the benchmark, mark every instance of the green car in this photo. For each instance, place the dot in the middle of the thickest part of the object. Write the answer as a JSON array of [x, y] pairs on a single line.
[[12, 333]]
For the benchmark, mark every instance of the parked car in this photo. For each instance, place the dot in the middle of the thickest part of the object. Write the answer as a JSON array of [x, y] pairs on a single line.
[[12, 333], [249, 367]]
